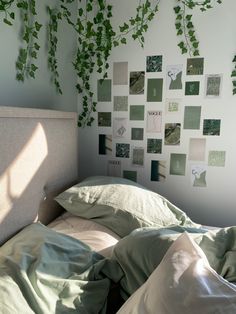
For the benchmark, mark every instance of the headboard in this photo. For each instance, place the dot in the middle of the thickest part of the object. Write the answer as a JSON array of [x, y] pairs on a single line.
[[38, 160]]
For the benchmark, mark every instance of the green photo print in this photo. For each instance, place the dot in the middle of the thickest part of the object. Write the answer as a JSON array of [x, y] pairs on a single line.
[[195, 66], [105, 144], [138, 156], [213, 85], [154, 146], [177, 164], [104, 90], [172, 133], [158, 170], [130, 175], [104, 119], [154, 90], [192, 88], [154, 64], [120, 103], [192, 116], [137, 134], [136, 83], [216, 158], [122, 150], [137, 112], [211, 127]]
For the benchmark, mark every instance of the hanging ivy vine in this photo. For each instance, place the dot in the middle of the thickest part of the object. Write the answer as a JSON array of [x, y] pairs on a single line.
[[96, 38]]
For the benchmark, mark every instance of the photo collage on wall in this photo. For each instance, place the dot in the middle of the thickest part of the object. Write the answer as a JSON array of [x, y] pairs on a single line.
[[145, 124]]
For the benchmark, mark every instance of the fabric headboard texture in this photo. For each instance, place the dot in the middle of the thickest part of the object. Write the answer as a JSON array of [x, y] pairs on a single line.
[[38, 160]]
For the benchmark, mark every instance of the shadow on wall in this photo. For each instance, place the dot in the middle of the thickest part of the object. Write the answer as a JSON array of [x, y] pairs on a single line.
[[33, 167]]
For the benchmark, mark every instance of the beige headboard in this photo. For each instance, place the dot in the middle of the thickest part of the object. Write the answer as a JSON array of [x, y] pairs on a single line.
[[38, 159]]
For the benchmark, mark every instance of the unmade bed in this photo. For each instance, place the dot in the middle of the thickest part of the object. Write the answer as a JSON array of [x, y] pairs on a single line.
[[103, 245]]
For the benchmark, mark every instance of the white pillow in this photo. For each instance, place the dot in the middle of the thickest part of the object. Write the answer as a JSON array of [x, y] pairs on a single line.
[[183, 283]]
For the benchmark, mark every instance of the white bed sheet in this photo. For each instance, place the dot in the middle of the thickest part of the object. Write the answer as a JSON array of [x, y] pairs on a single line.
[[98, 237]]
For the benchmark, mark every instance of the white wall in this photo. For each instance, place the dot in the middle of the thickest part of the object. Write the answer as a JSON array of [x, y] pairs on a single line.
[[214, 204], [38, 93]]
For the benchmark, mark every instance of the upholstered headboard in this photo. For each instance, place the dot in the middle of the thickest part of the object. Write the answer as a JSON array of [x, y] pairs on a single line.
[[38, 159]]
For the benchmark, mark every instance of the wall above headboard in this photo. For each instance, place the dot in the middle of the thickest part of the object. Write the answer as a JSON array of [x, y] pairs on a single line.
[[39, 158], [124, 137], [38, 92]]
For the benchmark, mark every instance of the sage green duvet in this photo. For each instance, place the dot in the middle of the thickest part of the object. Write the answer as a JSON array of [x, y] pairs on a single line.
[[43, 272], [137, 255]]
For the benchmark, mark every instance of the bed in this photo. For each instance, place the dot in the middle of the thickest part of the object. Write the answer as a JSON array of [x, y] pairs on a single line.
[[103, 245]]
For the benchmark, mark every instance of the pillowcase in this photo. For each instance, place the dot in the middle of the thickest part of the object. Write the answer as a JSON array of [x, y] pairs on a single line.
[[121, 205], [183, 283], [139, 253]]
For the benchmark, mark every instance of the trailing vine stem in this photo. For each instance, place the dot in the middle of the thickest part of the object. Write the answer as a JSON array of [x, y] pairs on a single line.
[[96, 38], [54, 16], [95, 42], [185, 27], [25, 65], [233, 75]]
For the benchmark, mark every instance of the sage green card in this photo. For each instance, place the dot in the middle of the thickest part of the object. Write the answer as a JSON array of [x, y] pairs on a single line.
[[137, 112], [192, 116], [154, 146], [104, 119], [216, 158], [195, 66], [154, 89], [192, 88], [137, 134], [104, 90], [120, 103], [130, 175], [177, 164]]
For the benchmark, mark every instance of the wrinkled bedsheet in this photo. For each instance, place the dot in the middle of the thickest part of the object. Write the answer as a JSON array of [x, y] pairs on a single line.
[[43, 272]]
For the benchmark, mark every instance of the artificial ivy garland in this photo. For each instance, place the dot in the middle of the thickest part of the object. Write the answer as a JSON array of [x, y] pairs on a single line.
[[96, 38]]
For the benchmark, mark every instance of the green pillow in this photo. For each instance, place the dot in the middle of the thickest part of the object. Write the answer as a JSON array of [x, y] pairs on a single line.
[[121, 205]]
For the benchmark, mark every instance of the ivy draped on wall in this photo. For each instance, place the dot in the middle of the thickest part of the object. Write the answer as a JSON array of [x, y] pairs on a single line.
[[96, 38]]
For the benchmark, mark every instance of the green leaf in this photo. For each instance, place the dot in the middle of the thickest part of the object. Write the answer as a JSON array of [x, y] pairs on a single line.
[[19, 66], [6, 21], [180, 32], [19, 77], [12, 15], [31, 73], [81, 11], [36, 46], [34, 54], [37, 26], [177, 9], [33, 67], [123, 41], [178, 25]]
